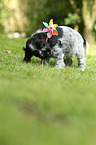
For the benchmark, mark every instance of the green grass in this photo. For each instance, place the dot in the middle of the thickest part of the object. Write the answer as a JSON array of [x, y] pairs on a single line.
[[42, 105]]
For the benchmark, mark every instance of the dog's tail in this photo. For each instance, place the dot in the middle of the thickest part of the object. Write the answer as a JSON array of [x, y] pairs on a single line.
[[86, 45]]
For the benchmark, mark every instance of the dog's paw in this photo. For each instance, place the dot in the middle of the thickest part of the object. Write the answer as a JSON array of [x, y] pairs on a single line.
[[82, 68], [68, 61], [26, 60]]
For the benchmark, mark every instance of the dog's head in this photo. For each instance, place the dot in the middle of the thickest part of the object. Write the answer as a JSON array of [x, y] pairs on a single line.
[[37, 46]]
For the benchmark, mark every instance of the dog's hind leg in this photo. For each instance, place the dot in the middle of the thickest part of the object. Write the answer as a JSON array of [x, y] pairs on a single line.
[[59, 61], [81, 62], [68, 61]]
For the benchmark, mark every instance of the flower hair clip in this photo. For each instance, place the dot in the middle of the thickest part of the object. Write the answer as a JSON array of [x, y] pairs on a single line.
[[50, 29]]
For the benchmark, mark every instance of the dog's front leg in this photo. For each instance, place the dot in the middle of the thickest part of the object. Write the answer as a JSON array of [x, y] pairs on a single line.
[[59, 61], [45, 61]]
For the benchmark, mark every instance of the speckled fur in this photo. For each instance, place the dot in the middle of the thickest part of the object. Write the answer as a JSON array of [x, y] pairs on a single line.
[[62, 47], [72, 43]]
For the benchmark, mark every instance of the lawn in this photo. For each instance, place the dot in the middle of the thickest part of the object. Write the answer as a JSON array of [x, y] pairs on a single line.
[[42, 105]]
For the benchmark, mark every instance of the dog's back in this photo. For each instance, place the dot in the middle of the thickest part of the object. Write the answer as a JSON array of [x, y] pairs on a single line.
[[72, 41]]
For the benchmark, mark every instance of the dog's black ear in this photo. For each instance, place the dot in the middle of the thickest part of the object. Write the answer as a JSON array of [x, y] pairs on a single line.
[[24, 48]]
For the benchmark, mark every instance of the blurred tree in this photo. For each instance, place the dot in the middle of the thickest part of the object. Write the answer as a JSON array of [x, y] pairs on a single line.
[[84, 15], [74, 13], [33, 10], [3, 14], [29, 14], [89, 15]]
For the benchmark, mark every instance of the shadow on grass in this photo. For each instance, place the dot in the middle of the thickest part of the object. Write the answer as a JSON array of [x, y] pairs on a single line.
[[34, 109]]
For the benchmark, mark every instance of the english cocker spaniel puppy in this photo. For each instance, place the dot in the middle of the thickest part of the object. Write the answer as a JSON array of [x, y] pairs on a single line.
[[62, 47]]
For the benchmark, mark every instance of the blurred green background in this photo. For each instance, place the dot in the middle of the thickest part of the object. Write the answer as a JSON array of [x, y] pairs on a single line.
[[42, 105], [27, 15]]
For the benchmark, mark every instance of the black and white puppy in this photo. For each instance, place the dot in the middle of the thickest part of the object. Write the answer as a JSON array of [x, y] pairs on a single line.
[[68, 42]]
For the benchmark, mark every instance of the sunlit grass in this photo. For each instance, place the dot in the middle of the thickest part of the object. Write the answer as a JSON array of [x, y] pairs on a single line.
[[42, 105]]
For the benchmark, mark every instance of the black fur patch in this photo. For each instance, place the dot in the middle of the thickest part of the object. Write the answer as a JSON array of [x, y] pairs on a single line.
[[39, 46], [60, 32], [60, 44], [52, 41]]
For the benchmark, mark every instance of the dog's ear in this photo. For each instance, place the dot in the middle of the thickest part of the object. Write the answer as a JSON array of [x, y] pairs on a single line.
[[24, 48]]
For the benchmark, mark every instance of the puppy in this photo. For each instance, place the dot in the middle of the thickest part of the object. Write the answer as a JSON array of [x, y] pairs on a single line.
[[62, 47], [37, 46]]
